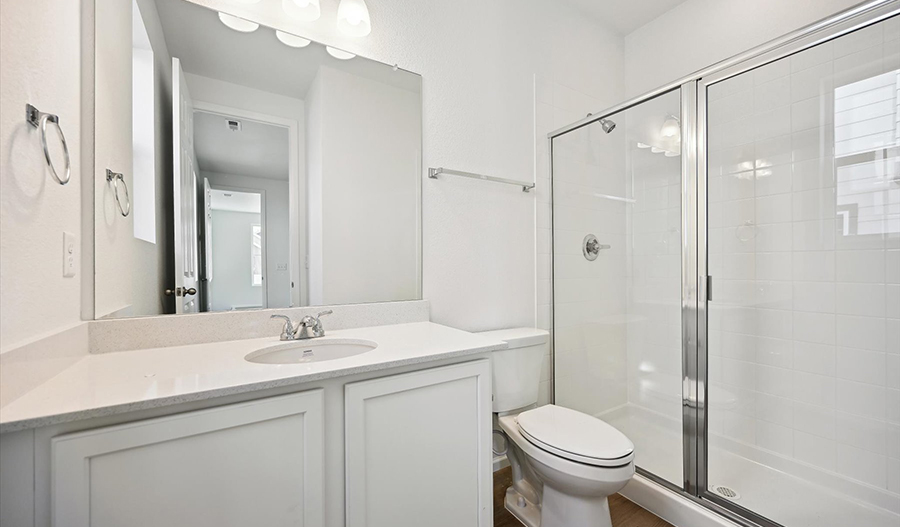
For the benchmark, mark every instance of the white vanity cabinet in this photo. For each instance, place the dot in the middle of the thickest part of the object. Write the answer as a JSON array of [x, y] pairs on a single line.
[[418, 449], [407, 446], [253, 463]]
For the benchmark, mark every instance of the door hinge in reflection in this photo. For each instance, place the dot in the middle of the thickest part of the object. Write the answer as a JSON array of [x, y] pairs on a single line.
[[709, 289]]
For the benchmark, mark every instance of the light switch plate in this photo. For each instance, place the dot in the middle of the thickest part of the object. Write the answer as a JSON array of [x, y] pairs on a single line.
[[69, 254]]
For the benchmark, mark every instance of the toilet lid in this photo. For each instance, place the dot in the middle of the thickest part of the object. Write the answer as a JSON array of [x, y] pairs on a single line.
[[575, 436]]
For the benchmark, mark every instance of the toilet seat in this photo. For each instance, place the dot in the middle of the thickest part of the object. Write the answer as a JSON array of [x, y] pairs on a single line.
[[575, 436]]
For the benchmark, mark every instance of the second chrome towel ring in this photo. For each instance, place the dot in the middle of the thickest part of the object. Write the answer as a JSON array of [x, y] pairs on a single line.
[[39, 120], [115, 178]]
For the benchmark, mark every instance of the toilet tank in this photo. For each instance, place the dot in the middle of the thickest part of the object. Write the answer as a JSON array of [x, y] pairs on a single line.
[[517, 370]]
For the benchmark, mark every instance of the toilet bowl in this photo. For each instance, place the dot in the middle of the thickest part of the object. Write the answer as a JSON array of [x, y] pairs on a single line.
[[564, 463]]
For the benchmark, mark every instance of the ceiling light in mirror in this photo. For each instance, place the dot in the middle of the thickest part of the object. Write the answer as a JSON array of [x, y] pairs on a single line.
[[305, 10], [291, 40], [238, 24], [671, 127], [353, 18], [339, 53]]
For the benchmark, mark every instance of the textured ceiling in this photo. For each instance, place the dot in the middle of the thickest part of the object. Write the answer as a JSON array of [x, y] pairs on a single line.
[[623, 16]]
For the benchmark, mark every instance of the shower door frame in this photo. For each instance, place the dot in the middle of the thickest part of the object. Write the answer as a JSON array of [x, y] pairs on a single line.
[[695, 287]]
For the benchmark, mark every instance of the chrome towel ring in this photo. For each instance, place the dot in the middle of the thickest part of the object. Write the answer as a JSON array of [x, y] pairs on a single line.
[[115, 178], [39, 119]]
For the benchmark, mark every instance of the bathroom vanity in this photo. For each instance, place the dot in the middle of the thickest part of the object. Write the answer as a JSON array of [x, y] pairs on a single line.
[[198, 435]]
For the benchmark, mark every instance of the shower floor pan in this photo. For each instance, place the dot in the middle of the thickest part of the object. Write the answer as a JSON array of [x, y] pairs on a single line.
[[775, 494]]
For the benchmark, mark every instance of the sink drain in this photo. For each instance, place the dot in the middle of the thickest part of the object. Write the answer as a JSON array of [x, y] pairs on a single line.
[[725, 492]]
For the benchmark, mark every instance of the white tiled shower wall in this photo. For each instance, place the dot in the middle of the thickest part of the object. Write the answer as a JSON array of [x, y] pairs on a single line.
[[557, 105], [654, 294], [804, 247], [618, 317], [590, 320]]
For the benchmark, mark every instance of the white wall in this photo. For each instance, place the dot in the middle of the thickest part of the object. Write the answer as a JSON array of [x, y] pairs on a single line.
[[496, 78], [314, 212], [278, 283], [480, 62], [34, 210], [699, 33], [370, 136], [154, 261], [130, 272], [144, 153], [231, 285]]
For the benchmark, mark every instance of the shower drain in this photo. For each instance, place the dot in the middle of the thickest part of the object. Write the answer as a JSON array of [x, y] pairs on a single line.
[[725, 492]]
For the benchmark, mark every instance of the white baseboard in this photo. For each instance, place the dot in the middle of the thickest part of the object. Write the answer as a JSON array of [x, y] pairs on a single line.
[[500, 462], [671, 506]]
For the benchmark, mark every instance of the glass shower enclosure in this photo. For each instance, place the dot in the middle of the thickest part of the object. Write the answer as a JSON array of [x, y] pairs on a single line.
[[726, 277]]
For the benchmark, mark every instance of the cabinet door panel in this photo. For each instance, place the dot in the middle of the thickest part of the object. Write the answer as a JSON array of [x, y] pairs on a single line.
[[418, 449], [256, 463]]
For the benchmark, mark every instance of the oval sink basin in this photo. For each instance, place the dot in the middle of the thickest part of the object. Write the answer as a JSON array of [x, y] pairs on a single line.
[[314, 350]]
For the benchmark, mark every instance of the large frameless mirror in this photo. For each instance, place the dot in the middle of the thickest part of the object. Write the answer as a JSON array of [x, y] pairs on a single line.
[[238, 167]]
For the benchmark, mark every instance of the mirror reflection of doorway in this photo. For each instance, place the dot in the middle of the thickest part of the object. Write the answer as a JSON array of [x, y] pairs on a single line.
[[245, 240], [235, 265]]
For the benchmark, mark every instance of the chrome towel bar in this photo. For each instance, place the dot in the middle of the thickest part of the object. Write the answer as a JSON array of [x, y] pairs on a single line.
[[39, 120], [433, 173], [115, 178]]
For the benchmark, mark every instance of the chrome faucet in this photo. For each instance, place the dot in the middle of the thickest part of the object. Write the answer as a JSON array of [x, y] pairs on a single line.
[[308, 328]]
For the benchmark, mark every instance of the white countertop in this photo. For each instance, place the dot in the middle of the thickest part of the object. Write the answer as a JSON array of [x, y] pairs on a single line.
[[113, 383]]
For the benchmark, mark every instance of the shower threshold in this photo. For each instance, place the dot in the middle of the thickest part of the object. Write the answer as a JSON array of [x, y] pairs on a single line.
[[777, 495]]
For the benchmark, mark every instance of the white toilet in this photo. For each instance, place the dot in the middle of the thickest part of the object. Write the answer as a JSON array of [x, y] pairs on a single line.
[[564, 463]]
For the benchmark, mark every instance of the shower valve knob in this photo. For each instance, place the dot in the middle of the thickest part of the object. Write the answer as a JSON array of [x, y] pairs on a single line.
[[591, 247]]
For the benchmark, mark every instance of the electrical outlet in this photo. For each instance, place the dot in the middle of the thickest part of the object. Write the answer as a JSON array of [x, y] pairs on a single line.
[[70, 252]]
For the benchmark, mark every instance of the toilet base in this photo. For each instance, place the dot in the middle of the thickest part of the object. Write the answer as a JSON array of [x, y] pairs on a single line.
[[525, 511], [563, 510], [559, 511]]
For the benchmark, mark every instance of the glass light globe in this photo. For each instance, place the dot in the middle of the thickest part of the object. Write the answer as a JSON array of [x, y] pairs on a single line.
[[291, 40], [339, 53], [305, 10], [353, 18], [238, 24], [671, 127]]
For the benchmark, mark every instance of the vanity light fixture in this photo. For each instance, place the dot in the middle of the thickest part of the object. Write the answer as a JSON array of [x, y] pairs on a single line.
[[353, 18], [291, 40], [238, 24], [671, 127], [305, 10], [339, 53]]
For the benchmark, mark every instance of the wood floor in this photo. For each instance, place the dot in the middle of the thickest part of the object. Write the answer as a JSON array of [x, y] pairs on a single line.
[[624, 513]]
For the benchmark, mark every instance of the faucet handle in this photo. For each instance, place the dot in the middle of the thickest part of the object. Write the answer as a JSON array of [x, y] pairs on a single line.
[[314, 324], [288, 331]]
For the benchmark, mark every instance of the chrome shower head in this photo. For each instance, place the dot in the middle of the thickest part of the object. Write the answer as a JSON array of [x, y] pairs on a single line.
[[607, 125]]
